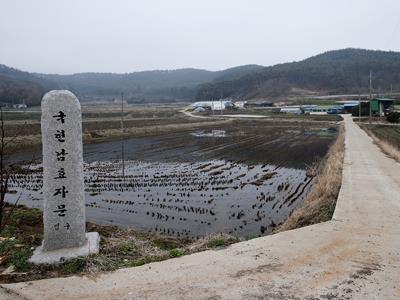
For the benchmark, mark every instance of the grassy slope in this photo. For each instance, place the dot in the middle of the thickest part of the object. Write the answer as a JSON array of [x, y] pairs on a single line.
[[321, 201]]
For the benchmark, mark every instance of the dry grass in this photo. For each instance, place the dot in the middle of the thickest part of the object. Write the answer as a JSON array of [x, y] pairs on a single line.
[[321, 201], [386, 147], [119, 248]]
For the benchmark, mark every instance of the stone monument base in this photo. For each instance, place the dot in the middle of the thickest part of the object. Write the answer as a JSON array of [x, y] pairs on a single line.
[[60, 255]]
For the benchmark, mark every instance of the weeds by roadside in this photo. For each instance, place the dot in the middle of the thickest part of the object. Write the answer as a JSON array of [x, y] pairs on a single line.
[[321, 201], [119, 248]]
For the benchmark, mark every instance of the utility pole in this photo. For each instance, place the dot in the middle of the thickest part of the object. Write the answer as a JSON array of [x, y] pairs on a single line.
[[122, 135], [370, 96], [359, 107], [221, 102]]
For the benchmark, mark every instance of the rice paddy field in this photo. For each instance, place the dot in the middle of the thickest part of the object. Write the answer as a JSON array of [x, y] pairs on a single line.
[[390, 133], [243, 178]]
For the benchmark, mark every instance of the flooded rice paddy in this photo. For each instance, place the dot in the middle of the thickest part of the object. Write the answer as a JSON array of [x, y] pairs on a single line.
[[243, 179]]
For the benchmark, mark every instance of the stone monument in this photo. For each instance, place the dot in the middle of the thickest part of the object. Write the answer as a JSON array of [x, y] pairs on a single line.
[[63, 182]]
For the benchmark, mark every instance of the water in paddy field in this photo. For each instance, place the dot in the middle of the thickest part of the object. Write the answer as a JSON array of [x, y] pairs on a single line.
[[195, 183]]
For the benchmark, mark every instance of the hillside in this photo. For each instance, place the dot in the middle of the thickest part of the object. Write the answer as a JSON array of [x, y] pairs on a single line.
[[149, 86], [164, 85], [17, 86], [333, 72], [158, 85]]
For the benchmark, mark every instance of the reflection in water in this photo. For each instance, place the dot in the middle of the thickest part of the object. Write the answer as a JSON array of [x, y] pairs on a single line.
[[212, 133], [184, 199], [243, 178]]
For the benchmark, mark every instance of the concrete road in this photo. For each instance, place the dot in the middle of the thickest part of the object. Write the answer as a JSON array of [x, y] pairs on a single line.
[[354, 256]]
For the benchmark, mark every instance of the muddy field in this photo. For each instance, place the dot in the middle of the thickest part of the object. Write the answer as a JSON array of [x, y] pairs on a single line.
[[243, 178]]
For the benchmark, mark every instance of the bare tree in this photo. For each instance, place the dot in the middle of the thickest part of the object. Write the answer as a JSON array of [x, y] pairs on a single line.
[[4, 171], [7, 169]]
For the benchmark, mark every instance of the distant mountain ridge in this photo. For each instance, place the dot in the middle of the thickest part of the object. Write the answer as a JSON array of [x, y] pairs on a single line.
[[17, 86], [166, 85], [333, 72]]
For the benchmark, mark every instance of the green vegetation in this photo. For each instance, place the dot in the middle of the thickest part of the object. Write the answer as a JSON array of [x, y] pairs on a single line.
[[73, 266], [221, 242], [176, 253], [16, 253], [146, 260], [166, 243]]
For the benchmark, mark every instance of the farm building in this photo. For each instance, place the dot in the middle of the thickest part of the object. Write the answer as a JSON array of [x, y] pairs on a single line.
[[312, 109], [241, 104], [297, 110], [213, 105], [379, 106], [348, 105]]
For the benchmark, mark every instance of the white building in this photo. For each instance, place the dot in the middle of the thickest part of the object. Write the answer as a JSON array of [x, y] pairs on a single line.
[[20, 106], [292, 110], [213, 105], [240, 104]]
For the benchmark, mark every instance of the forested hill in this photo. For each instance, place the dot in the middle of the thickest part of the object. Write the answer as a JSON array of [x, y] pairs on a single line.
[[148, 86], [165, 85], [333, 72], [17, 86], [158, 85]]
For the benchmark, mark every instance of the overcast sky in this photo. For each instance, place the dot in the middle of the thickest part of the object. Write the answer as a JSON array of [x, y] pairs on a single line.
[[69, 36]]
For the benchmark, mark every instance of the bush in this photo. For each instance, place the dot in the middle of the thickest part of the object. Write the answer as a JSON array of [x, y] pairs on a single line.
[[393, 117], [214, 243], [175, 253], [222, 241], [74, 265], [20, 259]]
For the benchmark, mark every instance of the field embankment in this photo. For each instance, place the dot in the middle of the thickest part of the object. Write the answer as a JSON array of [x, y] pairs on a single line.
[[320, 203], [26, 136]]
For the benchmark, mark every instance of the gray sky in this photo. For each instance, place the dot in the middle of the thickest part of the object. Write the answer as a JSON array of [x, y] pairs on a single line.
[[69, 36]]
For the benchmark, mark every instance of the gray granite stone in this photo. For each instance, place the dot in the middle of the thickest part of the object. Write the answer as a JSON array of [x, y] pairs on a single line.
[[63, 189], [90, 246], [63, 182]]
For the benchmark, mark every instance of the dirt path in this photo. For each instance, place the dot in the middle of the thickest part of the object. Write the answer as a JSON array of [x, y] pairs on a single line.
[[354, 256]]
